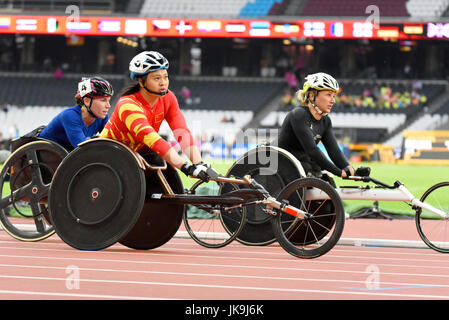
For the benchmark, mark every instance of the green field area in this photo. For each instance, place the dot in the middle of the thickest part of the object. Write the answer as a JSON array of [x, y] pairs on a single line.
[[417, 179]]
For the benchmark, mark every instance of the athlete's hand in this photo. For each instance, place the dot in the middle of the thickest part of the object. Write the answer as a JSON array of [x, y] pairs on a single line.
[[347, 171], [205, 172], [200, 170]]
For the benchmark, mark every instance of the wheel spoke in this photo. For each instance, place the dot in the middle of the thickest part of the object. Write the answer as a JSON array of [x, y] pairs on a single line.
[[322, 226]]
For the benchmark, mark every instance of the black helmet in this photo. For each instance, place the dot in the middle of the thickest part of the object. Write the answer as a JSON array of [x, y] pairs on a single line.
[[95, 87]]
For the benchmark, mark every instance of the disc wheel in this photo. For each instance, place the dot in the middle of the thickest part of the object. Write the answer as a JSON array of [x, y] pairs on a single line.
[[25, 180], [158, 222], [308, 237], [213, 225], [432, 228], [97, 195]]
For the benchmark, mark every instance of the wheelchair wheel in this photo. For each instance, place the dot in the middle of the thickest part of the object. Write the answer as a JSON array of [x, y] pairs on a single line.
[[434, 229], [273, 168], [309, 237], [158, 222], [25, 180], [97, 195], [213, 225]]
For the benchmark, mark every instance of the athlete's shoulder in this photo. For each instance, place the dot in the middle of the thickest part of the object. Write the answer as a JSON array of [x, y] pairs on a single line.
[[132, 99], [298, 112], [72, 112], [170, 96], [327, 121]]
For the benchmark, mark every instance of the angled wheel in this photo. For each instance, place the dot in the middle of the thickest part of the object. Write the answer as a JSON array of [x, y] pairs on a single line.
[[213, 225], [96, 195], [313, 235], [158, 222], [25, 180], [273, 168], [432, 228]]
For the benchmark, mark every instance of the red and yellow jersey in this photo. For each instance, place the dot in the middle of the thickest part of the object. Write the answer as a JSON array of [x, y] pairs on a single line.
[[135, 123]]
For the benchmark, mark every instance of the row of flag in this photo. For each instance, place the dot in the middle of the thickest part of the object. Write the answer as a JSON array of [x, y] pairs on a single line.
[[174, 27], [140, 26]]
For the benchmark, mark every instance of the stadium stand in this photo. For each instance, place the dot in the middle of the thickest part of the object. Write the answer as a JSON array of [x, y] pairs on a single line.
[[105, 6], [43, 89], [371, 117], [212, 8], [353, 8], [228, 104], [224, 104], [85, 6], [220, 93], [430, 8], [259, 8], [25, 118], [192, 8]]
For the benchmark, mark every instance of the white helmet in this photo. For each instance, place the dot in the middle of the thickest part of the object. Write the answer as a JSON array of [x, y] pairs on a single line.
[[321, 81], [145, 62]]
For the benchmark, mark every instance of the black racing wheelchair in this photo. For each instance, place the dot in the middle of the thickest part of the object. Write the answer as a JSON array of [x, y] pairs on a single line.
[[103, 193], [25, 180]]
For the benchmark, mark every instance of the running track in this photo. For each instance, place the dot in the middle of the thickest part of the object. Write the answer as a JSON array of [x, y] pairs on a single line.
[[181, 269]]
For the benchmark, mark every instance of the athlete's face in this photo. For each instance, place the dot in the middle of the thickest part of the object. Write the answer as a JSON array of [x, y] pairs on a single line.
[[100, 106], [325, 99], [158, 81]]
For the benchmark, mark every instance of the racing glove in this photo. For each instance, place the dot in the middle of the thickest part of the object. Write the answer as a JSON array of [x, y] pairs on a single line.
[[199, 170]]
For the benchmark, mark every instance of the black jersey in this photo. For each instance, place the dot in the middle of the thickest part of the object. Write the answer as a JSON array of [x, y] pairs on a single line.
[[301, 132]]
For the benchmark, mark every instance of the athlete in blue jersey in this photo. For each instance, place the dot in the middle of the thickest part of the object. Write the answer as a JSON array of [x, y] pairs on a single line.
[[74, 125]]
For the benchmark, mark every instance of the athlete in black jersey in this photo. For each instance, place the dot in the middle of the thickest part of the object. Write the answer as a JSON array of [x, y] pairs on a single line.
[[305, 126]]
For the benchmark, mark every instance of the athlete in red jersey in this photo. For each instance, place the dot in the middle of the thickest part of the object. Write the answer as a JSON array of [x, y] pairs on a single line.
[[142, 108]]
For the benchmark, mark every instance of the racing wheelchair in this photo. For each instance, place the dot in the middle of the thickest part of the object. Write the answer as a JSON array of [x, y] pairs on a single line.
[[103, 193], [25, 180], [431, 210]]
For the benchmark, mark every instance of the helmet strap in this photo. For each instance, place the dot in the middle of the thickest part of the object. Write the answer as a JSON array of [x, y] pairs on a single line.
[[321, 113], [88, 108], [155, 92]]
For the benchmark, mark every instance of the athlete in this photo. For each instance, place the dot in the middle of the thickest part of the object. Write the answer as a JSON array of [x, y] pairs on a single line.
[[141, 109], [307, 125], [74, 125]]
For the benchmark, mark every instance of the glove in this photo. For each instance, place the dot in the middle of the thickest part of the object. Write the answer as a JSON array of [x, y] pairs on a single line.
[[188, 169], [200, 170]]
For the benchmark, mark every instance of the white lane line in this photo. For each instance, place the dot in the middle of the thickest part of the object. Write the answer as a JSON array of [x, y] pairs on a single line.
[[78, 295], [258, 258], [218, 275], [194, 285]]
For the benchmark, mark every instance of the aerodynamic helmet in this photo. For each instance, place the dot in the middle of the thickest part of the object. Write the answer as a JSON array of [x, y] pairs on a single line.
[[95, 87], [321, 81], [146, 62]]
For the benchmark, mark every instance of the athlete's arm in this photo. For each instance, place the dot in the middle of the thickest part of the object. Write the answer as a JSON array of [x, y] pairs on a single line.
[[177, 122], [305, 138], [334, 151], [141, 131]]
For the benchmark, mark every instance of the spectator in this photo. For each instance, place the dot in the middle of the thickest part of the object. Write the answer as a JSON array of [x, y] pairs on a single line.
[[59, 74]]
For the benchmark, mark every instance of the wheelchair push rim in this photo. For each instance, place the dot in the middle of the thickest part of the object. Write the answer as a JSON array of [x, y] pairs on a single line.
[[24, 183]]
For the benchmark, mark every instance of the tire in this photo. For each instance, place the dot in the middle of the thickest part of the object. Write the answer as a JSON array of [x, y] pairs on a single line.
[[433, 229], [97, 195], [210, 225], [273, 168], [287, 230], [25, 180]]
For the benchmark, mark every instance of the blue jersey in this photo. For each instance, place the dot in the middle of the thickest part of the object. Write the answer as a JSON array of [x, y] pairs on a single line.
[[68, 128]]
